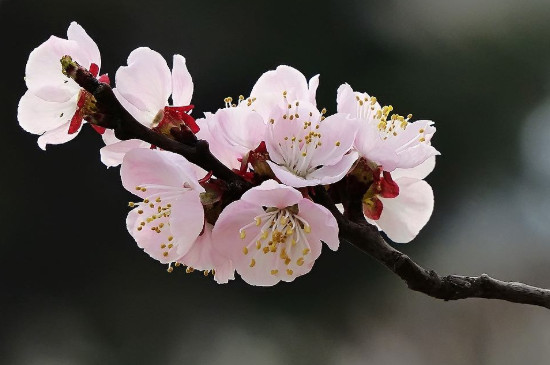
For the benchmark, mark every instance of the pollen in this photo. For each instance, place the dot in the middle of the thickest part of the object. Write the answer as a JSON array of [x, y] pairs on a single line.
[[337, 144], [252, 263], [243, 234], [300, 261], [305, 251], [274, 272], [245, 250], [289, 271], [165, 253]]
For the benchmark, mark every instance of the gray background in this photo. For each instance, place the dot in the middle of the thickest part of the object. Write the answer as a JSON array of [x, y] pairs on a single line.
[[75, 289]]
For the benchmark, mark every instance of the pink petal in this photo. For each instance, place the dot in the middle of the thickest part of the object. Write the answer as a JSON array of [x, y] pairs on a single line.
[[289, 178], [186, 220], [418, 172], [323, 224], [165, 169], [334, 173], [87, 45], [312, 86], [272, 194], [43, 71], [182, 83], [337, 137], [113, 154], [37, 115], [404, 216], [58, 135], [146, 82]]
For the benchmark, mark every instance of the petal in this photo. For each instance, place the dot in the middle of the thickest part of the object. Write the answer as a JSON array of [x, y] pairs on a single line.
[[43, 73], [154, 243], [337, 137], [113, 154], [331, 174], [37, 115], [346, 101], [404, 216], [146, 82], [162, 168], [272, 194], [289, 178], [269, 89], [182, 83], [109, 137], [87, 45], [144, 116], [322, 222], [418, 172], [186, 220], [312, 86], [58, 135]]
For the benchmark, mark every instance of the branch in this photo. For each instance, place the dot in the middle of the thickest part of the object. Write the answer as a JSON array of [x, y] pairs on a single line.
[[353, 228], [451, 287], [111, 114]]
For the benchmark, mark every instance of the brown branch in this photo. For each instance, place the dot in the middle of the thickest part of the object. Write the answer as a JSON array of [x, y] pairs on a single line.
[[451, 287], [353, 227]]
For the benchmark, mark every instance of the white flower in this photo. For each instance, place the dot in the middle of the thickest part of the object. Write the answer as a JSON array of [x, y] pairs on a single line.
[[54, 105], [143, 88]]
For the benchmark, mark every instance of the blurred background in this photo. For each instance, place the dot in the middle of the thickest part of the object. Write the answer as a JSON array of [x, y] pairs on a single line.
[[75, 289]]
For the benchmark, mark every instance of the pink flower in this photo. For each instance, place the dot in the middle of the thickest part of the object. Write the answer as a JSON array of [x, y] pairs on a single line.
[[390, 141], [232, 133], [54, 105], [143, 88], [169, 223], [273, 233], [305, 148]]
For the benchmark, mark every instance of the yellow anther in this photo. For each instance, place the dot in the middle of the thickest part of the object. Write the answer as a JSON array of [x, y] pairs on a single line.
[[163, 246], [273, 248], [170, 245], [151, 205], [131, 204], [287, 261], [143, 189], [421, 131], [258, 221], [170, 269], [293, 242], [422, 139], [146, 201], [337, 143], [245, 250], [157, 199], [177, 264], [189, 270], [205, 272], [284, 93], [165, 254], [258, 245], [252, 263], [138, 187], [274, 272], [307, 228], [243, 234], [305, 251], [289, 272], [266, 249], [142, 223], [324, 111], [272, 121], [300, 261], [161, 225], [139, 228], [140, 211], [264, 234], [241, 97]]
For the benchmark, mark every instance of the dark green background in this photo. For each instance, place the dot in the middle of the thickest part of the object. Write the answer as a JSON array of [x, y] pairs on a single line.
[[75, 289]]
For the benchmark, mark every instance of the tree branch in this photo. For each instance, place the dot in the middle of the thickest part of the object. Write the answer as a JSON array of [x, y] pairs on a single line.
[[451, 287], [354, 228]]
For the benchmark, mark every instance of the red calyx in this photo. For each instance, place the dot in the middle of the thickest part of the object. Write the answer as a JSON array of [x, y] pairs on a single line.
[[176, 115], [388, 187], [372, 208]]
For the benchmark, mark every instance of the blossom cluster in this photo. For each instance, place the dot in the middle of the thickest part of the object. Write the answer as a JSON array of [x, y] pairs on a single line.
[[277, 139]]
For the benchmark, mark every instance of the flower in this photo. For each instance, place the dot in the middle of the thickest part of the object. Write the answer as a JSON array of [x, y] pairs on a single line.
[[273, 233], [393, 143], [143, 88], [395, 156], [54, 105], [305, 148], [169, 223], [232, 133]]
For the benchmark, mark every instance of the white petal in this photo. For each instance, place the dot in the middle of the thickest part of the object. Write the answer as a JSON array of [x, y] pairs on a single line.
[[289, 178], [272, 194], [152, 167], [337, 137], [87, 45], [43, 73], [146, 82], [37, 115], [313, 85], [182, 83], [404, 216], [113, 154], [418, 172], [334, 173], [58, 135], [322, 222], [186, 220], [144, 116]]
